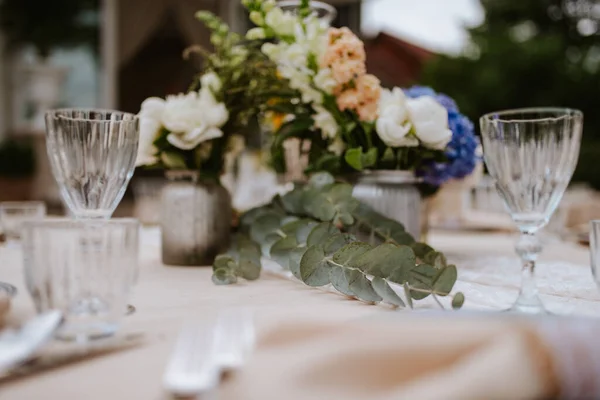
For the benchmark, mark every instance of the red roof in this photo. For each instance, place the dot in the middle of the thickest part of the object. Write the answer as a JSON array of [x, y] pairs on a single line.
[[394, 61]]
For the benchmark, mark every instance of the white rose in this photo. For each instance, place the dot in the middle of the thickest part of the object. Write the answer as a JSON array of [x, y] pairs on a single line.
[[430, 120], [392, 125], [193, 118], [211, 81], [326, 123], [283, 23], [150, 117]]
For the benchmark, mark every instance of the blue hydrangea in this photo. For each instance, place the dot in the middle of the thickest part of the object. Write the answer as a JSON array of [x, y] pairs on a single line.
[[461, 152]]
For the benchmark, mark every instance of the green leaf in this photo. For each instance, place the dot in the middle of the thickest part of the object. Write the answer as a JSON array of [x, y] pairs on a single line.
[[339, 280], [445, 280], [293, 201], [280, 252], [387, 261], [369, 159], [321, 179], [386, 292], [250, 270], [173, 160], [336, 242], [354, 158], [317, 205], [422, 277], [438, 260], [421, 249], [320, 233], [268, 243], [295, 259], [350, 252], [223, 276], [361, 286], [314, 269], [264, 226], [458, 300], [388, 155]]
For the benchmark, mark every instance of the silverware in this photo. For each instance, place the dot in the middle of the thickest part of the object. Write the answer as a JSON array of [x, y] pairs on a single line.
[[192, 369], [203, 352], [18, 346]]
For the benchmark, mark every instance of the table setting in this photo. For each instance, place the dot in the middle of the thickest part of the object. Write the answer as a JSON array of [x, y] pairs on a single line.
[[336, 283]]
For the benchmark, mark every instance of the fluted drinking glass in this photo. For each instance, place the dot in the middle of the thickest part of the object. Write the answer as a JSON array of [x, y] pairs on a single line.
[[92, 154], [89, 282], [531, 155]]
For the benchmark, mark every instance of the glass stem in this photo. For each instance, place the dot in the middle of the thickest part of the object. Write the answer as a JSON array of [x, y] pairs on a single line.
[[528, 247]]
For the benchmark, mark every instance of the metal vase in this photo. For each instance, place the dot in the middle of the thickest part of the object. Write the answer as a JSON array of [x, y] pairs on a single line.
[[395, 195], [195, 219]]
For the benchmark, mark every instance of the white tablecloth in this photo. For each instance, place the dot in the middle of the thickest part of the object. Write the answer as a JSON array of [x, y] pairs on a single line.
[[489, 275]]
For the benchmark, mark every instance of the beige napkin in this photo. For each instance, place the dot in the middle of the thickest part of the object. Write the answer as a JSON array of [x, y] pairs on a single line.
[[404, 357]]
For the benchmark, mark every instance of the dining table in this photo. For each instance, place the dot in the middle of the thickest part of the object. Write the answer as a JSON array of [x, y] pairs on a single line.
[[165, 297]]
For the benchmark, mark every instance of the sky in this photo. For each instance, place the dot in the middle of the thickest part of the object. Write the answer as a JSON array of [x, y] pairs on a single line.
[[437, 25]]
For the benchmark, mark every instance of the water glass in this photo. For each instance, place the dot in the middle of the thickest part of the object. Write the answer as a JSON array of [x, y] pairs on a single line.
[[92, 154], [531, 154], [595, 249], [84, 268], [14, 213]]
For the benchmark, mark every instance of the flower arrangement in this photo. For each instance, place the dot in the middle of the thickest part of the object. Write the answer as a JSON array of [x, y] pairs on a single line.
[[205, 129], [353, 123]]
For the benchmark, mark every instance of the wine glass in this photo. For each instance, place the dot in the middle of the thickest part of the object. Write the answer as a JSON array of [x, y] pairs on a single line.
[[531, 155], [325, 12], [92, 154]]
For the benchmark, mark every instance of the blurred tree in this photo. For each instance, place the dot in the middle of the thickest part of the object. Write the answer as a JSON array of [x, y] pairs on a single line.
[[49, 24], [530, 53]]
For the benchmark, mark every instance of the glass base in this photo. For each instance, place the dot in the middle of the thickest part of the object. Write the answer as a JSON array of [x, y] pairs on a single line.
[[532, 305]]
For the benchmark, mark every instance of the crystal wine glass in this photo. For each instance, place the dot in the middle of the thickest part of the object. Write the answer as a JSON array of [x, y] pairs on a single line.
[[531, 154], [325, 12], [92, 154]]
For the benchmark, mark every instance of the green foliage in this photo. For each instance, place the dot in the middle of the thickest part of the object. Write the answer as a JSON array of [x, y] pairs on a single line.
[[312, 232], [17, 160], [48, 24], [527, 54]]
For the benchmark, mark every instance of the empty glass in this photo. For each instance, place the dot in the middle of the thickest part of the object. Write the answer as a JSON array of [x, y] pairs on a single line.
[[531, 154], [14, 213], [92, 154], [84, 268]]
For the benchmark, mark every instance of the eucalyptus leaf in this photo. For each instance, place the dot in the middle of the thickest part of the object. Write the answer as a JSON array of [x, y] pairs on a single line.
[[361, 286], [317, 205], [223, 276], [268, 242], [303, 231], [387, 261], [293, 201], [320, 233], [458, 300], [295, 259], [321, 179], [350, 252], [280, 252], [386, 292], [445, 280], [339, 280], [314, 269], [264, 226], [336, 242], [421, 249], [422, 277], [249, 270], [438, 260], [407, 295]]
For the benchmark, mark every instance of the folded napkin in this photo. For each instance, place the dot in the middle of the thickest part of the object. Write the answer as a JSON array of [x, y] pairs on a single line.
[[423, 357]]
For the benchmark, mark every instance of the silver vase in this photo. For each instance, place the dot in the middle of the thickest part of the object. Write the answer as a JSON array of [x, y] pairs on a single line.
[[195, 219], [395, 195]]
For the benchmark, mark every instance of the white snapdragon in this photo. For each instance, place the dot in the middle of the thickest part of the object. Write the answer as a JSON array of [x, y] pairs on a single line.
[[256, 34], [324, 80], [150, 117], [430, 121], [281, 22], [393, 125], [326, 123], [212, 81]]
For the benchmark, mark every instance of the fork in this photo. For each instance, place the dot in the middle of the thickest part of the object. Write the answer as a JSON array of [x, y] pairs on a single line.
[[192, 369], [203, 352]]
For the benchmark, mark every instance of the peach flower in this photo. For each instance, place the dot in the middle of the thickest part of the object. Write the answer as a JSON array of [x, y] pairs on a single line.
[[368, 111], [349, 100], [345, 71], [369, 87]]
